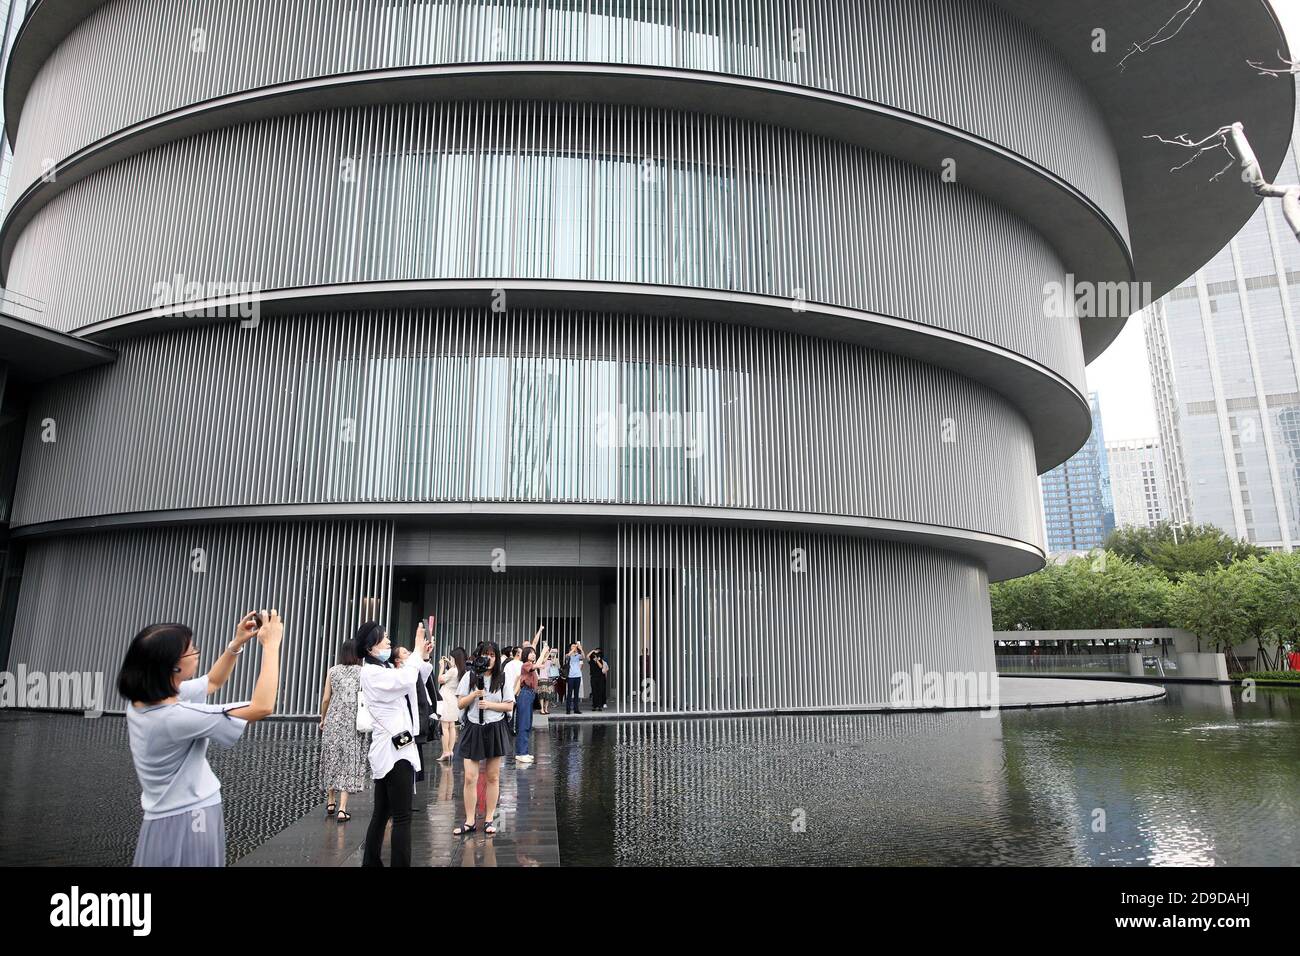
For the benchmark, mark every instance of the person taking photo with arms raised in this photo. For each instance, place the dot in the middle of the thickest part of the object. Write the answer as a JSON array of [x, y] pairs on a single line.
[[169, 725], [393, 708]]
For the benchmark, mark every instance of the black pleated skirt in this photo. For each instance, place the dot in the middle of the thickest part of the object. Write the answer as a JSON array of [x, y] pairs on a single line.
[[485, 741]]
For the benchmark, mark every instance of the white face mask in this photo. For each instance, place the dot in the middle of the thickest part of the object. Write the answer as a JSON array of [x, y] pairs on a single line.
[[382, 656]]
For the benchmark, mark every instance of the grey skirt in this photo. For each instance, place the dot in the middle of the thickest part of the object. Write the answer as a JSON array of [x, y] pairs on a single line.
[[189, 838]]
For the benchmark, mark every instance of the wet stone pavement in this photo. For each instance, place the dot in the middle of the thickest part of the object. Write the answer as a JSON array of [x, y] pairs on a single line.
[[528, 834]]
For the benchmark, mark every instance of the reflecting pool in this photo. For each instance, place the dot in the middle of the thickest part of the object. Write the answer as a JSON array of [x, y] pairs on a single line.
[[1199, 778]]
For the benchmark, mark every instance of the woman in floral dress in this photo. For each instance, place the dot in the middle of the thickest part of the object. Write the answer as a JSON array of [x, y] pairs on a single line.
[[343, 750]]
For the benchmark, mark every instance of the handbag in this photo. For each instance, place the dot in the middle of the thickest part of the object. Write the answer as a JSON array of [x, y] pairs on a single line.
[[399, 740], [365, 723]]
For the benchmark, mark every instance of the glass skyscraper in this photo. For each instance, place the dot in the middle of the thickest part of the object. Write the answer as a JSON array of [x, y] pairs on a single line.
[[1224, 355], [1077, 504]]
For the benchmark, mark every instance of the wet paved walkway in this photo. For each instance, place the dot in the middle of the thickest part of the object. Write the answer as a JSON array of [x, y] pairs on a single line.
[[529, 835]]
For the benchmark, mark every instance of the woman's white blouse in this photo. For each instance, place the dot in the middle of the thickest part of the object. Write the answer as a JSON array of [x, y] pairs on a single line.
[[394, 707], [489, 716]]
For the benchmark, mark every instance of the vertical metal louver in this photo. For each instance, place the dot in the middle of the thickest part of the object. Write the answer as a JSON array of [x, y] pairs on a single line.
[[717, 620], [85, 597]]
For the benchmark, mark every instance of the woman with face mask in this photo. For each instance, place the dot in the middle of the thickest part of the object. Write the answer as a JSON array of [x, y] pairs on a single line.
[[390, 697], [489, 697], [170, 725]]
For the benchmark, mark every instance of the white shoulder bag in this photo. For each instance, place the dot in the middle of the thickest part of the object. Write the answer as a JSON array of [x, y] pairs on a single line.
[[365, 723]]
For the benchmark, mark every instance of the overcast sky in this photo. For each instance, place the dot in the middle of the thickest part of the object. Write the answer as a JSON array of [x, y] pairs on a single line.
[[1120, 376]]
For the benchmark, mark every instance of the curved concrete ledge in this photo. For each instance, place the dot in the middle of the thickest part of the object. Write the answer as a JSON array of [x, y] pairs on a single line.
[[1089, 242], [1003, 557], [1027, 692], [1057, 412], [1019, 694]]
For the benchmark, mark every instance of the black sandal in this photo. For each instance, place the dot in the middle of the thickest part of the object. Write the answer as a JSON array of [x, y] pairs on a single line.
[[343, 816], [490, 828], [464, 828], [330, 808]]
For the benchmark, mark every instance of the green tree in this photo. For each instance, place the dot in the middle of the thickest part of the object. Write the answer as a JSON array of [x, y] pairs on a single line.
[[1274, 600], [1214, 606], [1179, 551], [1099, 591]]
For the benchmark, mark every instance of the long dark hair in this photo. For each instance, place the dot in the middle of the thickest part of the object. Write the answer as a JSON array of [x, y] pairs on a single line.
[[458, 657], [497, 673], [368, 635]]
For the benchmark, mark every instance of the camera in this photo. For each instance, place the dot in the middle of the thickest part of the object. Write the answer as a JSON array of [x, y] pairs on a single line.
[[257, 620], [480, 665]]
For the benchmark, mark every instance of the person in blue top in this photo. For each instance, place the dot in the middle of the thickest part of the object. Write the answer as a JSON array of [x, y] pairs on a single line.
[[573, 688], [170, 725]]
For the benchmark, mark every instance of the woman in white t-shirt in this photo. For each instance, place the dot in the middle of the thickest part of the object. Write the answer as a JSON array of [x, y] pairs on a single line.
[[489, 697]]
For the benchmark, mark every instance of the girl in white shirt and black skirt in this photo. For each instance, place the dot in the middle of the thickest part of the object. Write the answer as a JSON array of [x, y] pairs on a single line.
[[488, 695]]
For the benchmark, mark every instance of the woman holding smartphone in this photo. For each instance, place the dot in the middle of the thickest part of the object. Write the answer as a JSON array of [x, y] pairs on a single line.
[[342, 746], [450, 670], [598, 670], [488, 697], [548, 670], [557, 672], [394, 708], [170, 725]]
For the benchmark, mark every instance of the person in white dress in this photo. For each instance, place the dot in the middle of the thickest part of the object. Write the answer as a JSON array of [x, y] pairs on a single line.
[[450, 667]]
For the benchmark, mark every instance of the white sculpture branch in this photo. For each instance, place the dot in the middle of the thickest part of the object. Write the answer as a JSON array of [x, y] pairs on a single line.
[[1287, 68], [1172, 27], [1232, 140]]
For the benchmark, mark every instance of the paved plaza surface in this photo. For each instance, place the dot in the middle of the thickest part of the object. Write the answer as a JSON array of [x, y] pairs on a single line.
[[528, 834]]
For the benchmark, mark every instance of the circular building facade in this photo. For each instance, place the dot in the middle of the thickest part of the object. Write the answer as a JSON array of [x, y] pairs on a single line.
[[718, 339]]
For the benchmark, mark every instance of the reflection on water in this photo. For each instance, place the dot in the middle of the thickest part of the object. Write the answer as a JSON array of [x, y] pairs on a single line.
[[1197, 778]]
